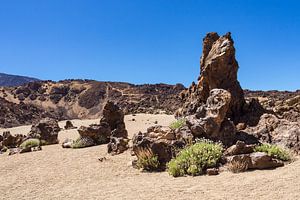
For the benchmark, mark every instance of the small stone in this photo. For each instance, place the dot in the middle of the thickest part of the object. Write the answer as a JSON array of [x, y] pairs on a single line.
[[212, 171]]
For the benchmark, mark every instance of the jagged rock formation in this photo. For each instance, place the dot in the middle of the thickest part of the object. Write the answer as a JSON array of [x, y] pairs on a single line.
[[218, 68], [210, 121], [263, 116], [84, 99]]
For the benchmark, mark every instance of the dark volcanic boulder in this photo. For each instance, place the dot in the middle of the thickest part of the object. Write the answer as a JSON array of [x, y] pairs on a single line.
[[45, 130], [114, 116], [99, 133], [218, 68], [11, 141]]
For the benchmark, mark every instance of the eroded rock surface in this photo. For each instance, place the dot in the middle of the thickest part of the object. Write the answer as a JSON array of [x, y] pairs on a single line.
[[45, 130], [163, 142], [218, 68]]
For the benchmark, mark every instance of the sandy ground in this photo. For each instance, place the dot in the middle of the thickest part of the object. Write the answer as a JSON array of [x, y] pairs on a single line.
[[57, 173]]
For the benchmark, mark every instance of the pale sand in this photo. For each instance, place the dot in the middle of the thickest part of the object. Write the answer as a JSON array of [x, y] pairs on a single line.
[[57, 173]]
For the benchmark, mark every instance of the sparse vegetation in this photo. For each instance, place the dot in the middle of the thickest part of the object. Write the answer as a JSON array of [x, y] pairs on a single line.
[[82, 142], [237, 166], [195, 159], [147, 160], [30, 143], [177, 124], [274, 151]]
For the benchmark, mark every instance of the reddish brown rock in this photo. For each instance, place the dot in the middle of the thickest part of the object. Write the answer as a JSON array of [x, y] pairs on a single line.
[[218, 68]]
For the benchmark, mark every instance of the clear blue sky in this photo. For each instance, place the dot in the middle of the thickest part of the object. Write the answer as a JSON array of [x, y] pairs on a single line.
[[149, 41]]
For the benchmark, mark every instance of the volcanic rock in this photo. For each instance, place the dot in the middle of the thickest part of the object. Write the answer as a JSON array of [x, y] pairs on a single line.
[[45, 130], [211, 122], [239, 148], [11, 141], [257, 160], [99, 133], [117, 145], [271, 129], [218, 68], [162, 141]]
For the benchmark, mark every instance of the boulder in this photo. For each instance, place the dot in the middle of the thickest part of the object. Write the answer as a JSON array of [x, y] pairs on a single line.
[[45, 130], [239, 148], [257, 160], [117, 145], [114, 117], [99, 133]]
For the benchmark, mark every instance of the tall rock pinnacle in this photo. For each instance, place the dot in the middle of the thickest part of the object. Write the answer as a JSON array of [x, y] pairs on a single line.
[[218, 69]]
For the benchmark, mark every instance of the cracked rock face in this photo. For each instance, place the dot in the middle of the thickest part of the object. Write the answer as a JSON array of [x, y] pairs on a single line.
[[212, 122], [219, 69]]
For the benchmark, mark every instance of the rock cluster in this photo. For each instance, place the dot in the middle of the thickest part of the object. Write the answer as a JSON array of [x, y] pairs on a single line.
[[163, 142], [245, 154], [210, 120], [46, 130], [263, 116], [7, 140], [271, 129], [111, 130]]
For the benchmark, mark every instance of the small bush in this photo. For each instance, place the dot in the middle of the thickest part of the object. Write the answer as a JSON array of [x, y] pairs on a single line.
[[30, 143], [273, 151], [195, 159], [237, 166], [146, 159], [177, 124], [82, 142]]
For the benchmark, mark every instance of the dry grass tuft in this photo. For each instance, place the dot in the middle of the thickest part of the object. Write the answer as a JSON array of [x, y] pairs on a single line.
[[147, 160], [237, 166]]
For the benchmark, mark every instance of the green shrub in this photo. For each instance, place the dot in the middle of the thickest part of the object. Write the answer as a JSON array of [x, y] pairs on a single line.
[[30, 143], [195, 159], [273, 151], [82, 142], [146, 159], [177, 124]]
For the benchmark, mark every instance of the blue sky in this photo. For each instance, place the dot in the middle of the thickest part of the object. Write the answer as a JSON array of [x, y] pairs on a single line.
[[151, 41]]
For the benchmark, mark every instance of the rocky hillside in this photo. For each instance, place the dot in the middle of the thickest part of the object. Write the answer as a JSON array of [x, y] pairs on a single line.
[[83, 99], [12, 114], [14, 80]]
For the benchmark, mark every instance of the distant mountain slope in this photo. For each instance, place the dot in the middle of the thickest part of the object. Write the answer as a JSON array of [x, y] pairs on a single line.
[[14, 80]]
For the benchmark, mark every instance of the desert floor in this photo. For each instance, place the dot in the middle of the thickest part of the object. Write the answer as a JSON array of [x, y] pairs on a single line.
[[57, 173]]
